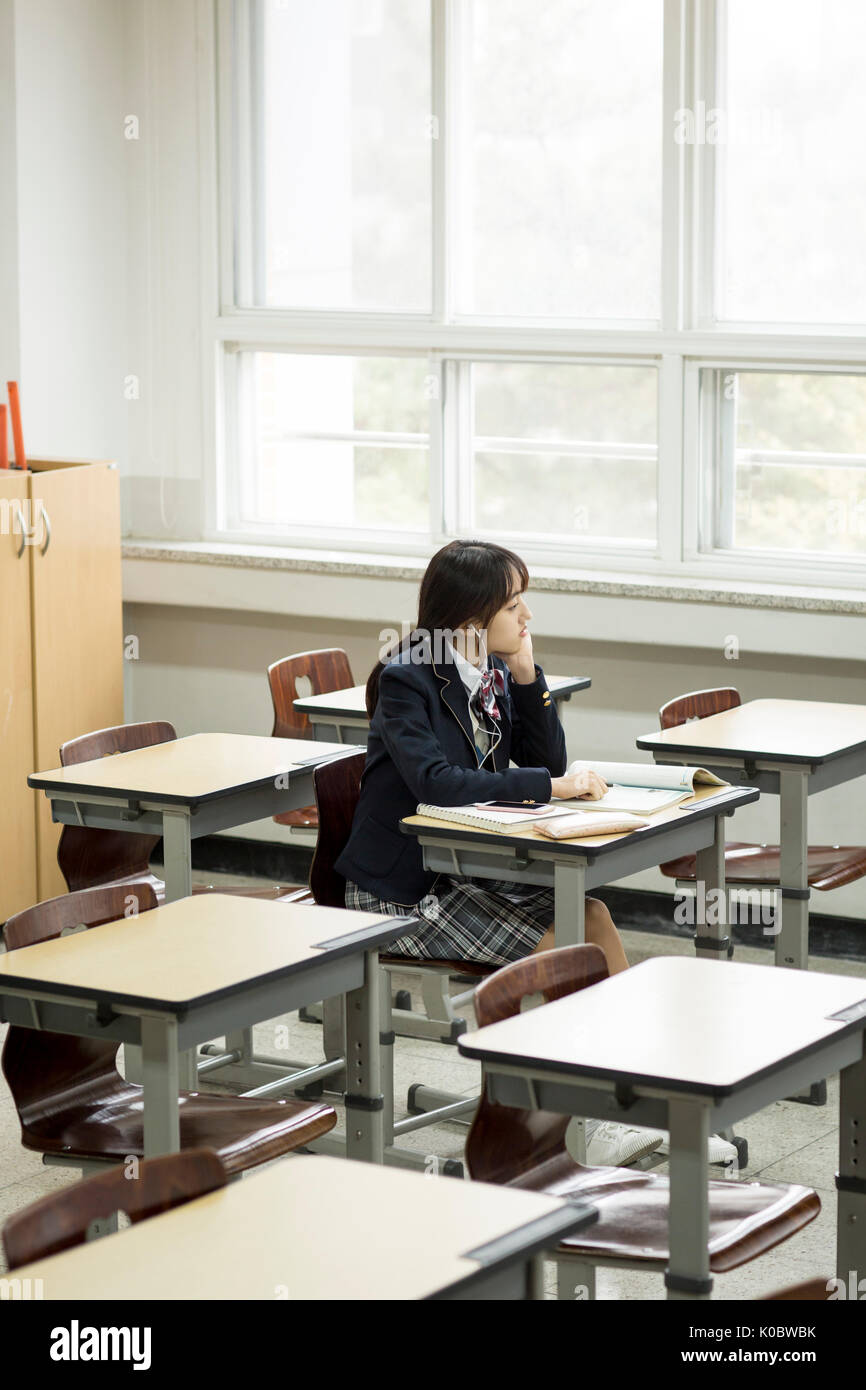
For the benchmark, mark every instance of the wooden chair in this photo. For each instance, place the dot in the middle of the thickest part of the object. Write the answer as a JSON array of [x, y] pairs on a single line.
[[73, 1103], [810, 1291], [66, 1218], [89, 858], [526, 1149], [755, 866], [326, 670], [337, 785]]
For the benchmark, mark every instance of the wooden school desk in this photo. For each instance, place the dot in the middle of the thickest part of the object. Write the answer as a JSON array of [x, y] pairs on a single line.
[[573, 867], [184, 789], [317, 1229], [790, 748], [342, 714], [192, 970], [679, 1045]]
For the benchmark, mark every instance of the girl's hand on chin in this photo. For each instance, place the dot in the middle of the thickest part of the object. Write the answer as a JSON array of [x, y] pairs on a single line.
[[521, 663]]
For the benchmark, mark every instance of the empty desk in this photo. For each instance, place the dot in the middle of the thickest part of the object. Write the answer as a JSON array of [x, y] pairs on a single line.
[[790, 748], [675, 1044], [184, 789], [173, 977], [343, 713], [314, 1228]]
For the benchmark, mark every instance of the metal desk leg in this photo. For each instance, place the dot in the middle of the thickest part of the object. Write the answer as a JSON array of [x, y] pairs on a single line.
[[712, 940], [535, 1277], [792, 942], [851, 1180], [688, 1271], [569, 891], [178, 884], [387, 1055], [365, 1104], [160, 1076], [177, 856]]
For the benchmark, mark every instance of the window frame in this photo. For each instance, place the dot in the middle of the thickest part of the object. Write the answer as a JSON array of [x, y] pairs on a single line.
[[686, 339]]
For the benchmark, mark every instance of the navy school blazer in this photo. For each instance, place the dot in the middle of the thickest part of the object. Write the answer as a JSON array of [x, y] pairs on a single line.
[[421, 748]]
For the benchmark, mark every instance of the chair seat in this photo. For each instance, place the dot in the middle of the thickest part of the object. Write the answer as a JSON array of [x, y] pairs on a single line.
[[829, 866], [304, 818], [746, 1218], [108, 1124], [277, 892], [474, 969]]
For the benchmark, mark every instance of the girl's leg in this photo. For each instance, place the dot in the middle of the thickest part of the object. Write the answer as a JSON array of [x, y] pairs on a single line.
[[600, 930]]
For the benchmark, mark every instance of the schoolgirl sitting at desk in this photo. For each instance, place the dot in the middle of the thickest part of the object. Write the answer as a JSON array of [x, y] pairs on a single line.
[[450, 708]]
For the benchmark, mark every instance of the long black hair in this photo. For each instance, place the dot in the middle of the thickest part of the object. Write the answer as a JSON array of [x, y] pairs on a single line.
[[465, 581]]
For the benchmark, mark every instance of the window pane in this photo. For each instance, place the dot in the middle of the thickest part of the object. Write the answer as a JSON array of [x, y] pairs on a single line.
[[345, 207], [565, 452], [561, 138], [799, 465], [338, 441], [792, 178]]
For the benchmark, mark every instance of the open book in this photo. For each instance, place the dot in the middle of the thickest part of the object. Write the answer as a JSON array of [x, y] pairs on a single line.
[[642, 788]]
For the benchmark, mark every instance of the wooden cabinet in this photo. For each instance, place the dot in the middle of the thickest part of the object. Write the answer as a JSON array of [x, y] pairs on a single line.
[[61, 648]]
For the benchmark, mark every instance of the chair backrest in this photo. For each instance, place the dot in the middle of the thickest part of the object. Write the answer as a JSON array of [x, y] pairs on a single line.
[[698, 705], [41, 1067], [90, 857], [337, 786], [61, 1220], [326, 670], [503, 1142]]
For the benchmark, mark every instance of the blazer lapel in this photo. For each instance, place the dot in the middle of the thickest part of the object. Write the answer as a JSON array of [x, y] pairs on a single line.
[[453, 694]]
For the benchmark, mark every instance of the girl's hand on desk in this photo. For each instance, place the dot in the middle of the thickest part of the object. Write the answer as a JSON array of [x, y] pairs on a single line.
[[586, 785]]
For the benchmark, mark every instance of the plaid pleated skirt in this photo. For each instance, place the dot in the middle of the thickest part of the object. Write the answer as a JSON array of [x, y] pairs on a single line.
[[490, 921]]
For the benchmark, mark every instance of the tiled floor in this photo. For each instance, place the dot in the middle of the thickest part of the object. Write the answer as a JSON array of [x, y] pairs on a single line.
[[787, 1142]]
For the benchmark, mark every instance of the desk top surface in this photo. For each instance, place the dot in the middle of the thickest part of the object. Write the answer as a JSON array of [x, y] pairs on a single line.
[[797, 731], [704, 1027], [351, 702], [192, 951], [660, 823], [189, 770], [313, 1228]]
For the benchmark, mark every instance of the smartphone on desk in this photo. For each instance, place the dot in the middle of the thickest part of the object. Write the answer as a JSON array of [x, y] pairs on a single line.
[[529, 808]]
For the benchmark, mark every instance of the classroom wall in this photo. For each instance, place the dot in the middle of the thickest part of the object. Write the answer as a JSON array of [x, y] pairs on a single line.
[[205, 670]]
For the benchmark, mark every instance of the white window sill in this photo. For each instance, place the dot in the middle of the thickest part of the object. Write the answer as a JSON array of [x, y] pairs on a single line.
[[797, 598], [572, 604]]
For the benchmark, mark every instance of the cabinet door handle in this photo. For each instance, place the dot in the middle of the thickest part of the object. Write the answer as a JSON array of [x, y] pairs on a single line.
[[47, 542], [24, 532]]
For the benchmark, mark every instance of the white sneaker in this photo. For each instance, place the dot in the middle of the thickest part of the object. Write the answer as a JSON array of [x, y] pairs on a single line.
[[610, 1145], [718, 1149]]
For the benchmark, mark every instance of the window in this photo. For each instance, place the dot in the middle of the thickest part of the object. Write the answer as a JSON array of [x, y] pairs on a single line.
[[559, 451], [586, 276], [791, 174], [559, 133], [336, 442], [791, 461], [341, 135]]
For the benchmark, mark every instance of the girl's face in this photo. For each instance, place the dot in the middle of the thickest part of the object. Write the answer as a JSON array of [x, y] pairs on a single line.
[[508, 629]]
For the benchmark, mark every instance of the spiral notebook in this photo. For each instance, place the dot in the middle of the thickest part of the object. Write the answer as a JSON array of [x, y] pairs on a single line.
[[484, 819]]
